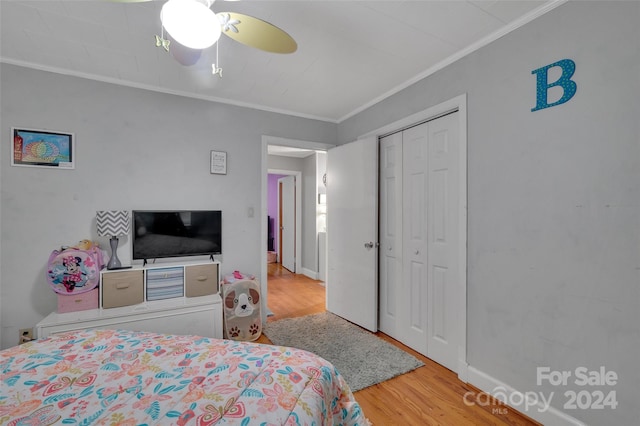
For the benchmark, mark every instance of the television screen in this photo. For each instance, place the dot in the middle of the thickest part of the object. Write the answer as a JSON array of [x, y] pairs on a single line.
[[158, 234]]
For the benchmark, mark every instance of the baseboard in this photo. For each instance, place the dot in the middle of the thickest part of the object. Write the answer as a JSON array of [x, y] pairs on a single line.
[[463, 370], [309, 273], [505, 393]]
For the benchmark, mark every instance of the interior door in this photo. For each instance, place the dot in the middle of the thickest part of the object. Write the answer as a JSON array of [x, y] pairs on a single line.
[[352, 230], [287, 204]]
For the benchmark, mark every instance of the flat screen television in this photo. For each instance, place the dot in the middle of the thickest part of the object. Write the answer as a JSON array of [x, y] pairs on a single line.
[[177, 233]]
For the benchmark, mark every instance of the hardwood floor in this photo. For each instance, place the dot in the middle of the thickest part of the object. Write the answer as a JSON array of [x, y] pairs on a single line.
[[429, 395]]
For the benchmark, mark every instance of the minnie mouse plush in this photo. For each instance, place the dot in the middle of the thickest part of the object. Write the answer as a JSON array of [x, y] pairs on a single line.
[[73, 274], [74, 271]]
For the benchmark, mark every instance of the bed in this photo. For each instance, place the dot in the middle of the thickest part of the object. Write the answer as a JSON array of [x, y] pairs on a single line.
[[117, 377]]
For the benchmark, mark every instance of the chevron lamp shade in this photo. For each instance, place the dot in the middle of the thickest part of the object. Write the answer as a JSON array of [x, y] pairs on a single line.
[[112, 222]]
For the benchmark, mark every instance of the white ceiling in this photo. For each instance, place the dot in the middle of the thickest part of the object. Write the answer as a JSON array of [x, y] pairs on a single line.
[[350, 54]]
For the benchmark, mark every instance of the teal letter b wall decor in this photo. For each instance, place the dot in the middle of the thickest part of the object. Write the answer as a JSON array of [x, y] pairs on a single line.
[[568, 86]]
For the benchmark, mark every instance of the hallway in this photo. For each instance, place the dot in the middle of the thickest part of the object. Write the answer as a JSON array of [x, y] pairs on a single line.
[[293, 295]]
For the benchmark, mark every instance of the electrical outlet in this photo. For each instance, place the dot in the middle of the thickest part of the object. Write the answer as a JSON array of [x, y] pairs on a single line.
[[26, 335]]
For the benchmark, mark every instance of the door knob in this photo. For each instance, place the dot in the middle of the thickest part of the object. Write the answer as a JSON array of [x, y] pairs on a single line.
[[368, 245]]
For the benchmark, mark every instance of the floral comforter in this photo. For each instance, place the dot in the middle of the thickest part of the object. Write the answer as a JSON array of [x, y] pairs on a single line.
[[116, 377]]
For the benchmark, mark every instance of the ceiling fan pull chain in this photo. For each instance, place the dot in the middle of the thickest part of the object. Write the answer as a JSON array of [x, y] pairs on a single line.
[[161, 41], [214, 67]]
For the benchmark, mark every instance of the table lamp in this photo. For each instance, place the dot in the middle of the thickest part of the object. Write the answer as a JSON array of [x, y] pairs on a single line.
[[113, 223]]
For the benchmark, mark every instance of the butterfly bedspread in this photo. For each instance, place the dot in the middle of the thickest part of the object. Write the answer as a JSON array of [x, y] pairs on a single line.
[[115, 377]]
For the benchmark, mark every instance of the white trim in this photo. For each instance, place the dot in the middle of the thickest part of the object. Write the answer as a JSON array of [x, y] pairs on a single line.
[[458, 103], [463, 365], [158, 89], [295, 143], [264, 229], [309, 273], [547, 7], [494, 387], [3, 297]]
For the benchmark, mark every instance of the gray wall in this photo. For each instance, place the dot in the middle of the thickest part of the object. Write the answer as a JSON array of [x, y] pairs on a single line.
[[553, 200], [135, 150]]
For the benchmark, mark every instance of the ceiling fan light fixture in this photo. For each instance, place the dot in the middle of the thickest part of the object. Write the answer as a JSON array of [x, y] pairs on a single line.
[[191, 23]]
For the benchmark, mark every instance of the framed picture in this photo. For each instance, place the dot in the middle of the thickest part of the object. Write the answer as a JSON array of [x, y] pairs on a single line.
[[42, 148], [218, 163]]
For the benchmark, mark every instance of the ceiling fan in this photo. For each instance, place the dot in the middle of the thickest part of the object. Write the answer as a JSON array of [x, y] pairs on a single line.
[[192, 26]]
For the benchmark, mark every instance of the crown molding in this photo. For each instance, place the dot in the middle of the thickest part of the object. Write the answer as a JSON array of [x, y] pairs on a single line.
[[525, 19], [159, 89]]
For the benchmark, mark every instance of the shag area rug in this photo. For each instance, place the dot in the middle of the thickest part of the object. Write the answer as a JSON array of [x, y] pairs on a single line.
[[360, 356]]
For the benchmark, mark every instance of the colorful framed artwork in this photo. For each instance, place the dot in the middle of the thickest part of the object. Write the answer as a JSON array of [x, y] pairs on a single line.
[[42, 148]]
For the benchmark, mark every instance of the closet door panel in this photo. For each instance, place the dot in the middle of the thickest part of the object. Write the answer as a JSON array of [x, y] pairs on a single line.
[[418, 291], [390, 233], [413, 313], [442, 213]]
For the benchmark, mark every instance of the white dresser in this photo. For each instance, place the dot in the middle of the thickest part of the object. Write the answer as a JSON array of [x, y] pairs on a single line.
[[129, 301], [200, 316]]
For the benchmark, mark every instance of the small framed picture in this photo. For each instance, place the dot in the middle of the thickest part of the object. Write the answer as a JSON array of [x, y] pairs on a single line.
[[218, 163], [42, 148]]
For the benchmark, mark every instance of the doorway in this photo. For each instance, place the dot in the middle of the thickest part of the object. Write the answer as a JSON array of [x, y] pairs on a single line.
[[306, 204], [458, 103], [292, 214]]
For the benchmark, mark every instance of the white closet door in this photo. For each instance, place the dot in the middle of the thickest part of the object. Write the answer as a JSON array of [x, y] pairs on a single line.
[[390, 232], [419, 241], [443, 240], [413, 311]]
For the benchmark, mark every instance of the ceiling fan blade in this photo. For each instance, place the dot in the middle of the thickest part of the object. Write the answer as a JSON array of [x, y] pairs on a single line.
[[256, 33]]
